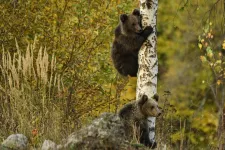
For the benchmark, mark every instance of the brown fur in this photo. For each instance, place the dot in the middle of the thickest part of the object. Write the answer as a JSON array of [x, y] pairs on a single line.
[[129, 38], [135, 113]]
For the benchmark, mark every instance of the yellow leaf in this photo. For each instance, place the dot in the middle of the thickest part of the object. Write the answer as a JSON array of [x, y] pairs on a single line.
[[54, 15], [210, 54], [209, 35], [74, 20], [218, 62], [200, 45], [203, 59], [223, 45], [47, 8], [96, 32], [218, 82]]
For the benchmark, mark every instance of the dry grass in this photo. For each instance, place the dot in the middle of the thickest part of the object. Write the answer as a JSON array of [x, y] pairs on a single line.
[[28, 86], [35, 102]]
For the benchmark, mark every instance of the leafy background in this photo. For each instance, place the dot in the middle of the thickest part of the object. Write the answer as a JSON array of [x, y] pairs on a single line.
[[57, 74]]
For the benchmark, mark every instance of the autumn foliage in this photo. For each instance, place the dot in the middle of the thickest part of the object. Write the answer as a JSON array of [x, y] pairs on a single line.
[[56, 73]]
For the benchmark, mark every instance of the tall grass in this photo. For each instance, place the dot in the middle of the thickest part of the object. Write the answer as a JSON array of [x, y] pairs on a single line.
[[29, 85], [34, 100]]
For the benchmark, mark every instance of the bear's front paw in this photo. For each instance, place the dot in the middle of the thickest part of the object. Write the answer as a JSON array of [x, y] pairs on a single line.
[[149, 29]]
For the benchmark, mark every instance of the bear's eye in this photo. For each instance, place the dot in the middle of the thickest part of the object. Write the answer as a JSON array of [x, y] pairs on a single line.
[[133, 24], [152, 107]]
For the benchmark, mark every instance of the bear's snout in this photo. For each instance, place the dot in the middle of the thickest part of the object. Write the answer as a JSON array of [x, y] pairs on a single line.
[[159, 114], [159, 111], [140, 30]]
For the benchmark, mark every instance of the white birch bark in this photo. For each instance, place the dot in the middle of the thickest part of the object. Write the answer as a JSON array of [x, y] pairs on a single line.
[[147, 59]]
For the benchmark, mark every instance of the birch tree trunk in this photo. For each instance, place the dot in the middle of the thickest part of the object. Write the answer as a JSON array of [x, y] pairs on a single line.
[[147, 59]]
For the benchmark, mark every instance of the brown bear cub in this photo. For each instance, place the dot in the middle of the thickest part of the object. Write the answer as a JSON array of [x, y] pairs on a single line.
[[136, 113], [129, 38]]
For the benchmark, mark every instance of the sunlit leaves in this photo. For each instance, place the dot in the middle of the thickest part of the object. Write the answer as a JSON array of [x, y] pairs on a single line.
[[79, 33], [213, 59], [209, 52], [203, 59], [74, 20], [213, 56], [177, 136], [200, 45], [209, 35], [208, 127], [223, 45], [218, 82]]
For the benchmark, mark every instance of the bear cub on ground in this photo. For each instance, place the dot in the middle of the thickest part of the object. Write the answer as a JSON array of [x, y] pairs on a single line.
[[136, 113], [129, 37]]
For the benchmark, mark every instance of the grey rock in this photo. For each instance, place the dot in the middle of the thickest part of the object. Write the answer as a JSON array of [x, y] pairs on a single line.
[[15, 142], [49, 145], [105, 132]]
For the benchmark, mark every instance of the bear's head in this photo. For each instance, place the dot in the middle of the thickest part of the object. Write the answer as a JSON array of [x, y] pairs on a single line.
[[130, 24], [149, 106]]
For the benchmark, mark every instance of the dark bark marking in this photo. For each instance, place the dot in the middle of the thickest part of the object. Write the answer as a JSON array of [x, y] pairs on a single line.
[[145, 75], [148, 83], [154, 75], [149, 4], [146, 53], [145, 24], [148, 43], [149, 121], [153, 55], [152, 129], [156, 63], [144, 67], [143, 5], [154, 38], [148, 62]]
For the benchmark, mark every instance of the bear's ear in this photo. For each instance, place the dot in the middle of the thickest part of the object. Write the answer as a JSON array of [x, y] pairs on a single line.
[[156, 97], [123, 17], [143, 100], [136, 12]]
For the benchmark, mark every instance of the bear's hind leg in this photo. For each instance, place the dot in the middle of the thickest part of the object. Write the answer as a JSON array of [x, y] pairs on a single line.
[[129, 67]]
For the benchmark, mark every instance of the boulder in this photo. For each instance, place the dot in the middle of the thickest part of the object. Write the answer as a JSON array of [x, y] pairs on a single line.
[[105, 132], [15, 142], [49, 145]]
